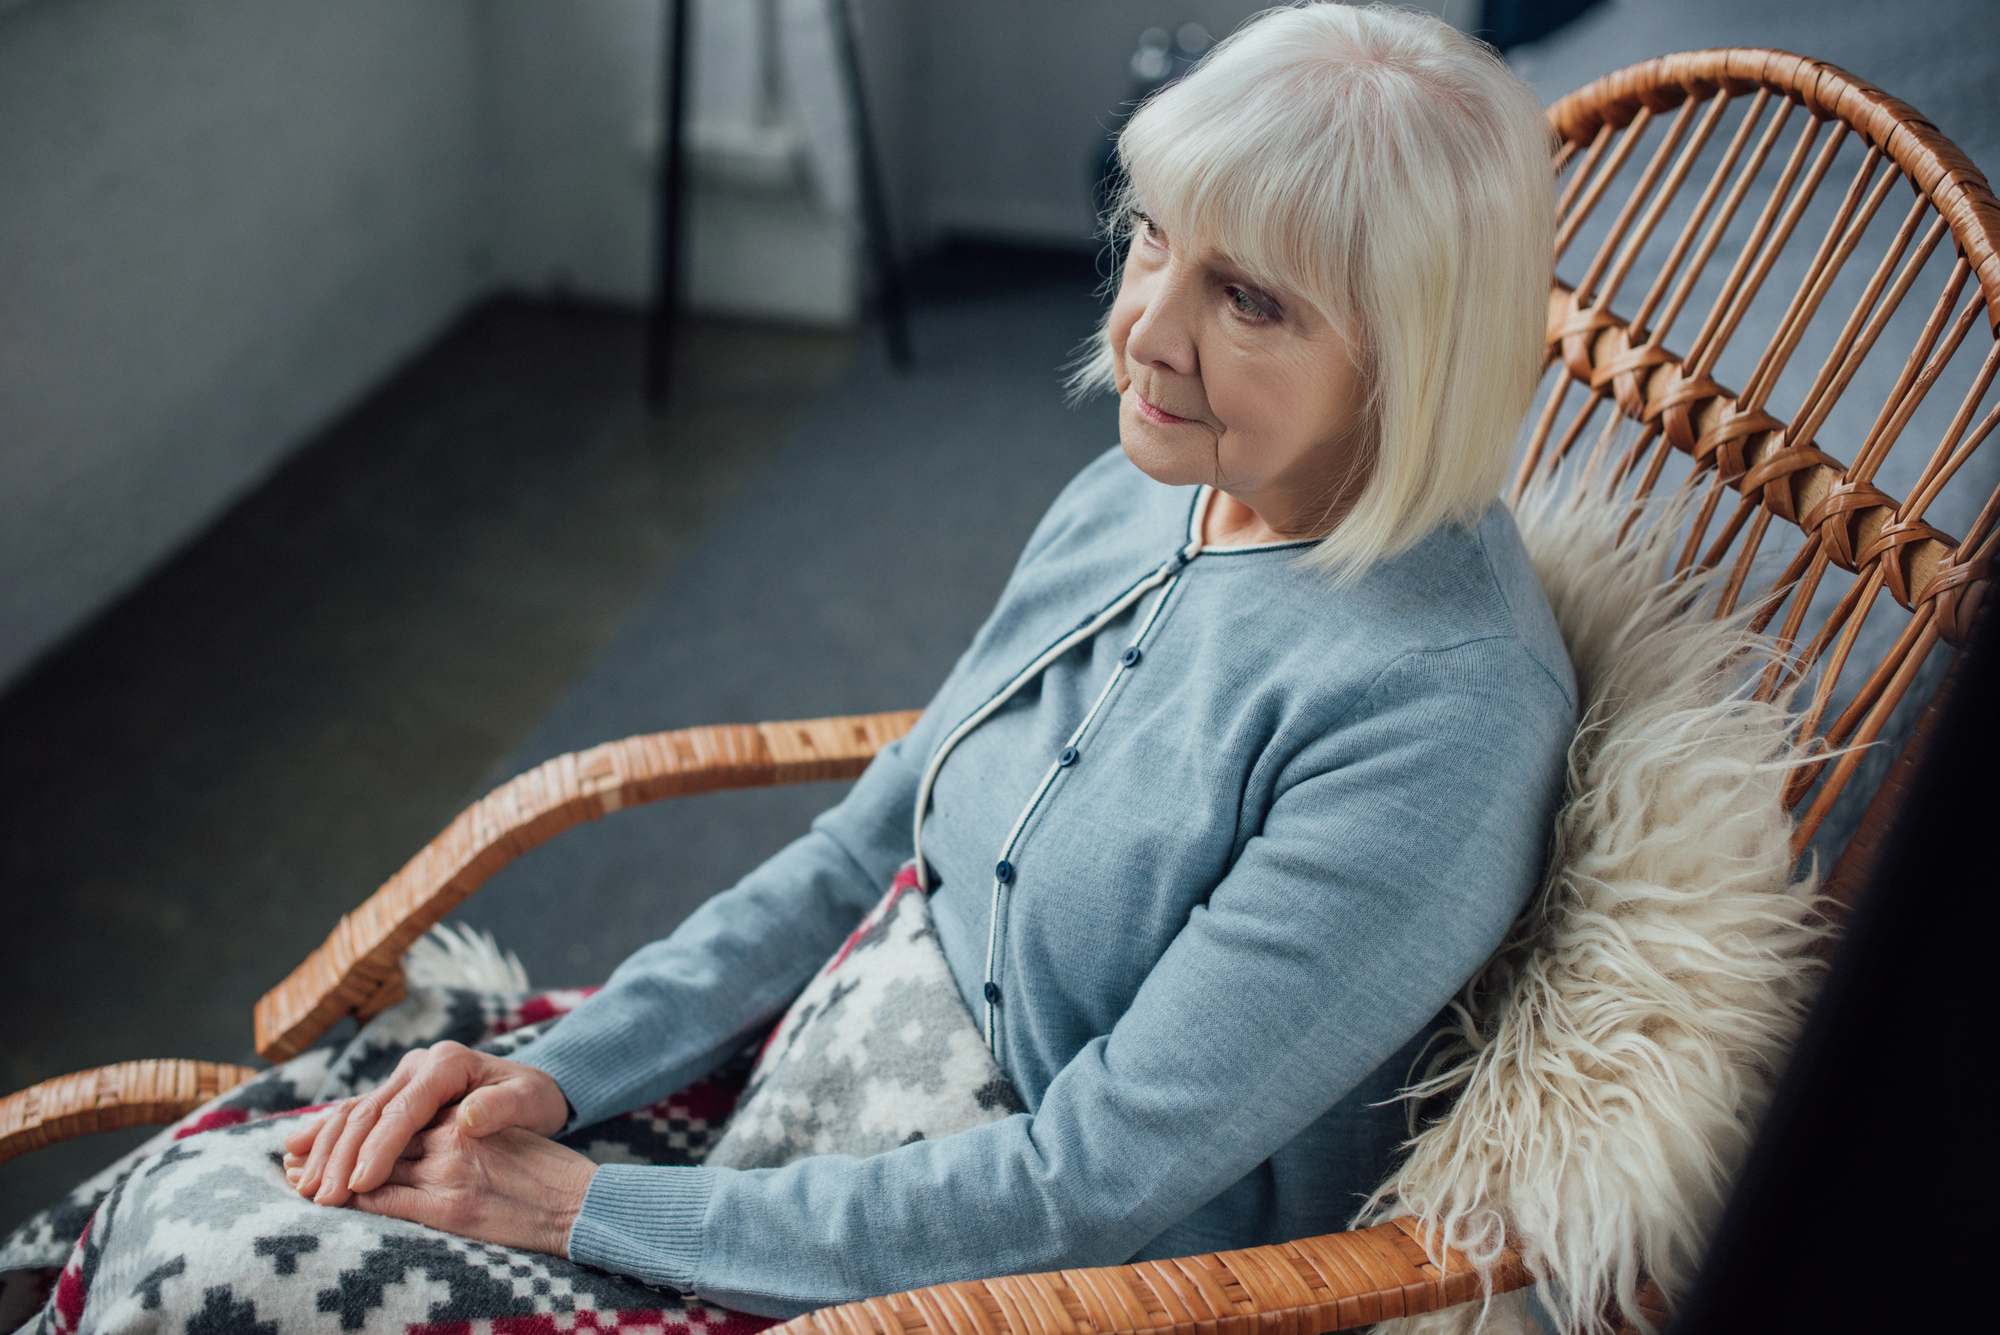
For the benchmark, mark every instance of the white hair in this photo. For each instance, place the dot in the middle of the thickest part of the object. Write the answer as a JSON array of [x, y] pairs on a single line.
[[1395, 174]]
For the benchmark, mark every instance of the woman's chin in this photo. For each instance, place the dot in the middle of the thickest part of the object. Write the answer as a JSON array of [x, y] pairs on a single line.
[[1161, 458]]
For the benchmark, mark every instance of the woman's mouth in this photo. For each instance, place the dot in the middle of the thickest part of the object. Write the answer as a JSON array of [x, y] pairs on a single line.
[[1160, 415]]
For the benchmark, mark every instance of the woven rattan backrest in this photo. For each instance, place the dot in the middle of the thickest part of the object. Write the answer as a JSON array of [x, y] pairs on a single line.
[[1776, 289]]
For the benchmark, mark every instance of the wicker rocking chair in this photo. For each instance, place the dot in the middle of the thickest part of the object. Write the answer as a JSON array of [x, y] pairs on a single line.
[[1672, 362]]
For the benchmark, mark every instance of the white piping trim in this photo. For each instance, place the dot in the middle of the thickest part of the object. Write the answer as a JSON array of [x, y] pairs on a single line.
[[1006, 693], [1163, 579], [1048, 780]]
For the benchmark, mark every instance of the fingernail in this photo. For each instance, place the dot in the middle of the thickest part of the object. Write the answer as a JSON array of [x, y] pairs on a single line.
[[354, 1182], [473, 1116]]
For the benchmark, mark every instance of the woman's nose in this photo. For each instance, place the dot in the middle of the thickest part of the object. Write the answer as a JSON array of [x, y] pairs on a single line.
[[1163, 335]]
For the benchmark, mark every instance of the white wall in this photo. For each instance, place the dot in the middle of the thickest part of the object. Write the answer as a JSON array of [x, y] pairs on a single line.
[[773, 225], [1022, 100], [220, 222]]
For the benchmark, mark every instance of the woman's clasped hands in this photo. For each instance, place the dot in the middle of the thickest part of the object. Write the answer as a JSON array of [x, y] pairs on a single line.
[[456, 1140]]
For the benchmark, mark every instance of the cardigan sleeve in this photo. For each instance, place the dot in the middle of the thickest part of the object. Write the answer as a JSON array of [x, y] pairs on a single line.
[[676, 1009], [1389, 866]]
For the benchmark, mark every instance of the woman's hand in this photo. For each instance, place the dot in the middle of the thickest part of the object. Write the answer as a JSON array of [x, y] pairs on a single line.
[[357, 1145], [510, 1187]]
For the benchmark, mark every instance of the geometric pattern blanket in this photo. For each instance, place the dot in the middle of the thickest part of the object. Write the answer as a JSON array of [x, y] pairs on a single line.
[[877, 1051], [197, 1230]]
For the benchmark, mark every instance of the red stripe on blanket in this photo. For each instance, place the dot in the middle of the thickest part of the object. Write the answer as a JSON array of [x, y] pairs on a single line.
[[221, 1117], [213, 1121], [704, 1099], [70, 1289]]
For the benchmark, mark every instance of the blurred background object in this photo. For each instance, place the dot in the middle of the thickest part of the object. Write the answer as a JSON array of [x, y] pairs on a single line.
[[774, 162], [328, 496], [1161, 61], [1509, 23]]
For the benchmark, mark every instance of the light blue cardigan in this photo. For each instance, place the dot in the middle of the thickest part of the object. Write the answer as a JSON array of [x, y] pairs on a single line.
[[1298, 821]]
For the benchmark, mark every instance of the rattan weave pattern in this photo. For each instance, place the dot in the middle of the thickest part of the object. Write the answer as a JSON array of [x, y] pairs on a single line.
[[1292, 1288], [142, 1093], [1934, 164], [1709, 211]]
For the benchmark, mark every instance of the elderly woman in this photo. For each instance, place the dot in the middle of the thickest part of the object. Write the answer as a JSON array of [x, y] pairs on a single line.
[[1248, 771]]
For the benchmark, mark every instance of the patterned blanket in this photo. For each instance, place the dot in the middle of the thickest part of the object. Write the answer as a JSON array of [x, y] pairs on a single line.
[[197, 1231], [878, 1051]]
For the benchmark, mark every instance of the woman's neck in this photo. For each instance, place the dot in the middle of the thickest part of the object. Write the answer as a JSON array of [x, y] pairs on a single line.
[[1229, 522]]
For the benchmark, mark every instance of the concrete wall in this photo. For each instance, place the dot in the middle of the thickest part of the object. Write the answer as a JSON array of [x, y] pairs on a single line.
[[220, 222]]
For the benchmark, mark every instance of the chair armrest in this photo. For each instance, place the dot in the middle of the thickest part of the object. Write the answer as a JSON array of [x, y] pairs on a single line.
[[358, 971], [1291, 1288], [148, 1093]]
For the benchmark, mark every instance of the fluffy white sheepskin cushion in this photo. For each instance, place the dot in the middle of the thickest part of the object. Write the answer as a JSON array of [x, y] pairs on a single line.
[[448, 956], [1610, 1062]]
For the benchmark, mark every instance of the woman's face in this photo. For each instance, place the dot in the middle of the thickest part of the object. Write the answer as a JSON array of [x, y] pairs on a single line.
[[1225, 381]]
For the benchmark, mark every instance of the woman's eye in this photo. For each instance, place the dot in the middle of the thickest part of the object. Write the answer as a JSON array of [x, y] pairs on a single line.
[[1246, 304]]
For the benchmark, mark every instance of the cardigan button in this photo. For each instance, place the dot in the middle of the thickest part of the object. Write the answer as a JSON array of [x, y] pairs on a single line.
[[1068, 757], [993, 994], [1003, 871], [1130, 657]]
